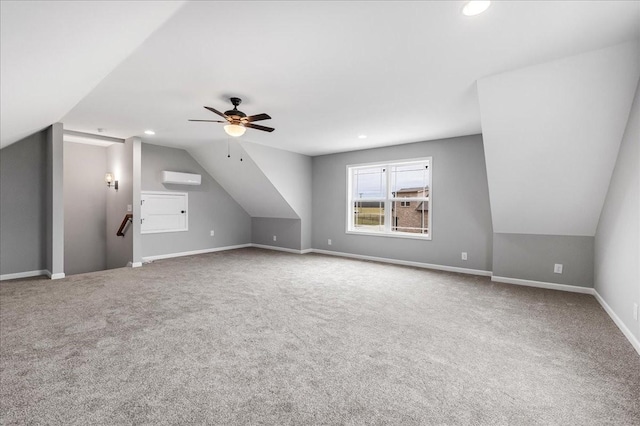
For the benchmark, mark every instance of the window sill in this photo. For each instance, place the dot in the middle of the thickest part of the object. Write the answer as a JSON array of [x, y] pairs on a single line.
[[389, 235]]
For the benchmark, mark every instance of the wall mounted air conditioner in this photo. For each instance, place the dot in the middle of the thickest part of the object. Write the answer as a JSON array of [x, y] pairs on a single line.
[[181, 178]]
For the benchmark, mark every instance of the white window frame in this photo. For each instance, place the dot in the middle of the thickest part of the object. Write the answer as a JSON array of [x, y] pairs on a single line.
[[388, 199]]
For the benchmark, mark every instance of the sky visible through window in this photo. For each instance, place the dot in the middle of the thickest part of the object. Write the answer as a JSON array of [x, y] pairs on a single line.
[[370, 182]]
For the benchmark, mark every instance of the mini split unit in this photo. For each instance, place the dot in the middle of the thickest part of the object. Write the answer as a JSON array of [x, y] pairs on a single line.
[[181, 178]]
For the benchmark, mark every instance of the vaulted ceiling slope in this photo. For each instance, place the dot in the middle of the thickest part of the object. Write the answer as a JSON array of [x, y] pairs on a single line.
[[243, 180], [325, 71], [53, 53], [552, 134]]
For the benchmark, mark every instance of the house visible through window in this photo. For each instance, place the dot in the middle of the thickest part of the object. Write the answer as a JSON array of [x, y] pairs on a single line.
[[390, 198]]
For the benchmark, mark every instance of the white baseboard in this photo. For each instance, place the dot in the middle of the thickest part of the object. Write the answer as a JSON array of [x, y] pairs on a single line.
[[406, 263], [57, 276], [616, 319], [542, 284], [575, 289], [288, 250], [27, 274], [191, 253], [517, 281]]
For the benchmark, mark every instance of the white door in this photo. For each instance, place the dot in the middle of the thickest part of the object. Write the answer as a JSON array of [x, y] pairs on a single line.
[[164, 212]]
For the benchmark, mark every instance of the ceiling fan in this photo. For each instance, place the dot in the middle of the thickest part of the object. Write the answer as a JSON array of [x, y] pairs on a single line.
[[238, 121]]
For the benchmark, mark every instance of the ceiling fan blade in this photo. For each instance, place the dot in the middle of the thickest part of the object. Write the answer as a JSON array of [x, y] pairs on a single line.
[[210, 121], [215, 111], [259, 127], [257, 117]]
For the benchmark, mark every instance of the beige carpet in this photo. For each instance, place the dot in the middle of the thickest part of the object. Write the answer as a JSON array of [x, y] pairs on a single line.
[[260, 337]]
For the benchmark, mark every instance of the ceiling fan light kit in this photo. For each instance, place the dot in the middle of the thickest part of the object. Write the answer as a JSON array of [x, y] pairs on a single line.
[[237, 121], [235, 130], [475, 7]]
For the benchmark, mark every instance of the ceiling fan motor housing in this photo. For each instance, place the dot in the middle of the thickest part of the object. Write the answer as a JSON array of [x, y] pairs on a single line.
[[239, 118], [234, 113]]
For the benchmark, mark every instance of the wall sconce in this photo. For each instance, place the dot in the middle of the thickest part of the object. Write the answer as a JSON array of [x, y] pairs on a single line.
[[109, 179]]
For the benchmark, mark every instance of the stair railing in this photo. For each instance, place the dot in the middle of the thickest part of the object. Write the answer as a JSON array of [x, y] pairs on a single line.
[[127, 218]]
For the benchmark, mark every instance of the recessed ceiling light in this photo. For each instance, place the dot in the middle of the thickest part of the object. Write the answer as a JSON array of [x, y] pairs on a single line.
[[149, 132], [475, 7], [362, 136]]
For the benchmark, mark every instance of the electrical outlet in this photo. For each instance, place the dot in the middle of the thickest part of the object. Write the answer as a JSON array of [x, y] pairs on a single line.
[[464, 255], [329, 241], [274, 238], [635, 311], [129, 208], [557, 268], [212, 233]]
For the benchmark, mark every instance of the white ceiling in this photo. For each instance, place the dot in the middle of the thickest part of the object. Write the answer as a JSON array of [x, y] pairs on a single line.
[[325, 71], [551, 138], [52, 54]]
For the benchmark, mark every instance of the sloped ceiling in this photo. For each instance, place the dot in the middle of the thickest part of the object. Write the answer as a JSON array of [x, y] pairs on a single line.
[[53, 53], [328, 71], [292, 181], [243, 180], [325, 71], [551, 136]]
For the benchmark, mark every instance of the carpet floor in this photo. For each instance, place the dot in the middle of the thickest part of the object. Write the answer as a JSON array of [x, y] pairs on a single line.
[[253, 337]]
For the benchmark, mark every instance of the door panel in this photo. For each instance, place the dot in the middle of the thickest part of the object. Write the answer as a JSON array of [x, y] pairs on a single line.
[[164, 212]]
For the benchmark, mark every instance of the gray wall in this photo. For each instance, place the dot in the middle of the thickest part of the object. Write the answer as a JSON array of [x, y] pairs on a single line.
[[287, 232], [461, 213], [532, 257], [85, 208], [617, 241], [23, 187], [210, 206], [137, 188], [120, 163], [55, 201]]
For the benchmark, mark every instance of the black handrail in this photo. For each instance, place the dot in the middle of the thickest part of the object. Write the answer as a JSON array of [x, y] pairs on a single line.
[[127, 217]]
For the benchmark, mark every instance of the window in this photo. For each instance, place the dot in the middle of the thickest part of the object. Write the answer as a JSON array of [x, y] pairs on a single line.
[[392, 199]]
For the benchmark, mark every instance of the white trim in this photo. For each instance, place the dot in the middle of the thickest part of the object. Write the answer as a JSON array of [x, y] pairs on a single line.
[[407, 263], [147, 259], [542, 284], [396, 234], [387, 200], [288, 250], [27, 274], [306, 251], [616, 319], [136, 264], [57, 276]]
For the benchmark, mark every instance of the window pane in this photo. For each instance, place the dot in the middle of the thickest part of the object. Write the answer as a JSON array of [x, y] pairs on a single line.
[[368, 216], [402, 187], [413, 219], [410, 180], [369, 182]]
